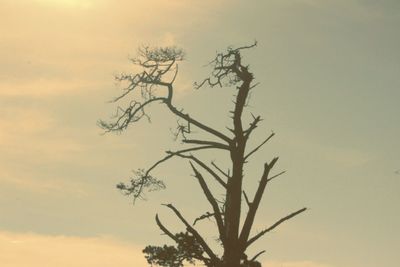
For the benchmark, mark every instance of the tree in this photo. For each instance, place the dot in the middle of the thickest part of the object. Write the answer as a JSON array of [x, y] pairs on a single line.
[[155, 83]]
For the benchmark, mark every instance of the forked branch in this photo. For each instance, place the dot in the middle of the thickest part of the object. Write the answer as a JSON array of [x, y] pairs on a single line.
[[227, 68], [253, 206], [252, 127], [157, 64]]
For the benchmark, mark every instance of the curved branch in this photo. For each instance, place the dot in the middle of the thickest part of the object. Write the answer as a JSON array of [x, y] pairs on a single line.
[[202, 217], [131, 114], [176, 153], [165, 230], [198, 124], [257, 255], [144, 179]]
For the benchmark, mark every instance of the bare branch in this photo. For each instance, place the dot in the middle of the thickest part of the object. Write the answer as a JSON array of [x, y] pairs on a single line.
[[202, 217], [195, 122], [257, 255], [252, 127], [211, 199], [205, 142], [227, 68], [138, 184], [220, 170], [259, 146], [193, 231], [276, 175], [248, 223], [175, 153], [157, 63], [251, 240], [246, 199], [182, 130], [145, 180], [131, 114], [165, 230], [204, 166]]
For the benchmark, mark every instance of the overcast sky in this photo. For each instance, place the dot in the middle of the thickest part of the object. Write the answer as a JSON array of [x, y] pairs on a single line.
[[329, 73]]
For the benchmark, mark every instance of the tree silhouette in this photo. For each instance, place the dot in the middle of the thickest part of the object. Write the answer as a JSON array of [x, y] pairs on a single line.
[[155, 83]]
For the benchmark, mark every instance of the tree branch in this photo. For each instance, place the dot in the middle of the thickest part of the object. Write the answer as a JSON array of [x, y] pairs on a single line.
[[156, 64], [248, 223], [202, 217], [211, 199], [259, 146], [205, 142], [165, 230], [193, 231], [195, 122], [246, 199], [204, 166], [220, 170], [177, 153], [133, 113], [276, 175], [144, 178], [252, 127], [251, 240], [257, 255]]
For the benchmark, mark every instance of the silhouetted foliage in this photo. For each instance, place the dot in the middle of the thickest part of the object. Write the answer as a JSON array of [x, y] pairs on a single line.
[[155, 84], [187, 249]]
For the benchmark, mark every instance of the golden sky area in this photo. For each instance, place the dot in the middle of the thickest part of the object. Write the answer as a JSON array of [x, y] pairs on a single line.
[[329, 87]]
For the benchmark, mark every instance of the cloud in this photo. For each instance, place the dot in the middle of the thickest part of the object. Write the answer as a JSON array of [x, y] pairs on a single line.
[[47, 48], [34, 250], [29, 131], [25, 181], [17, 120], [39, 87], [31, 138]]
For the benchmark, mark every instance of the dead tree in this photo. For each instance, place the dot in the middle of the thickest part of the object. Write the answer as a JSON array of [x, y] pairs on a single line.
[[155, 83]]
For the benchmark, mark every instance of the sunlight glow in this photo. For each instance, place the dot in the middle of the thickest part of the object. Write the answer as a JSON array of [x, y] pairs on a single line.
[[69, 3]]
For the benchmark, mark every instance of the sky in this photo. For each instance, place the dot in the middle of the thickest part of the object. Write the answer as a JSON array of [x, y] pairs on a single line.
[[329, 74]]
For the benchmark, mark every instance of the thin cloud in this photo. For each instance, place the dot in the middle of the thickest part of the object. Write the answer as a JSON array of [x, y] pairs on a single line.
[[75, 251], [35, 250], [22, 181], [34, 132], [81, 48]]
